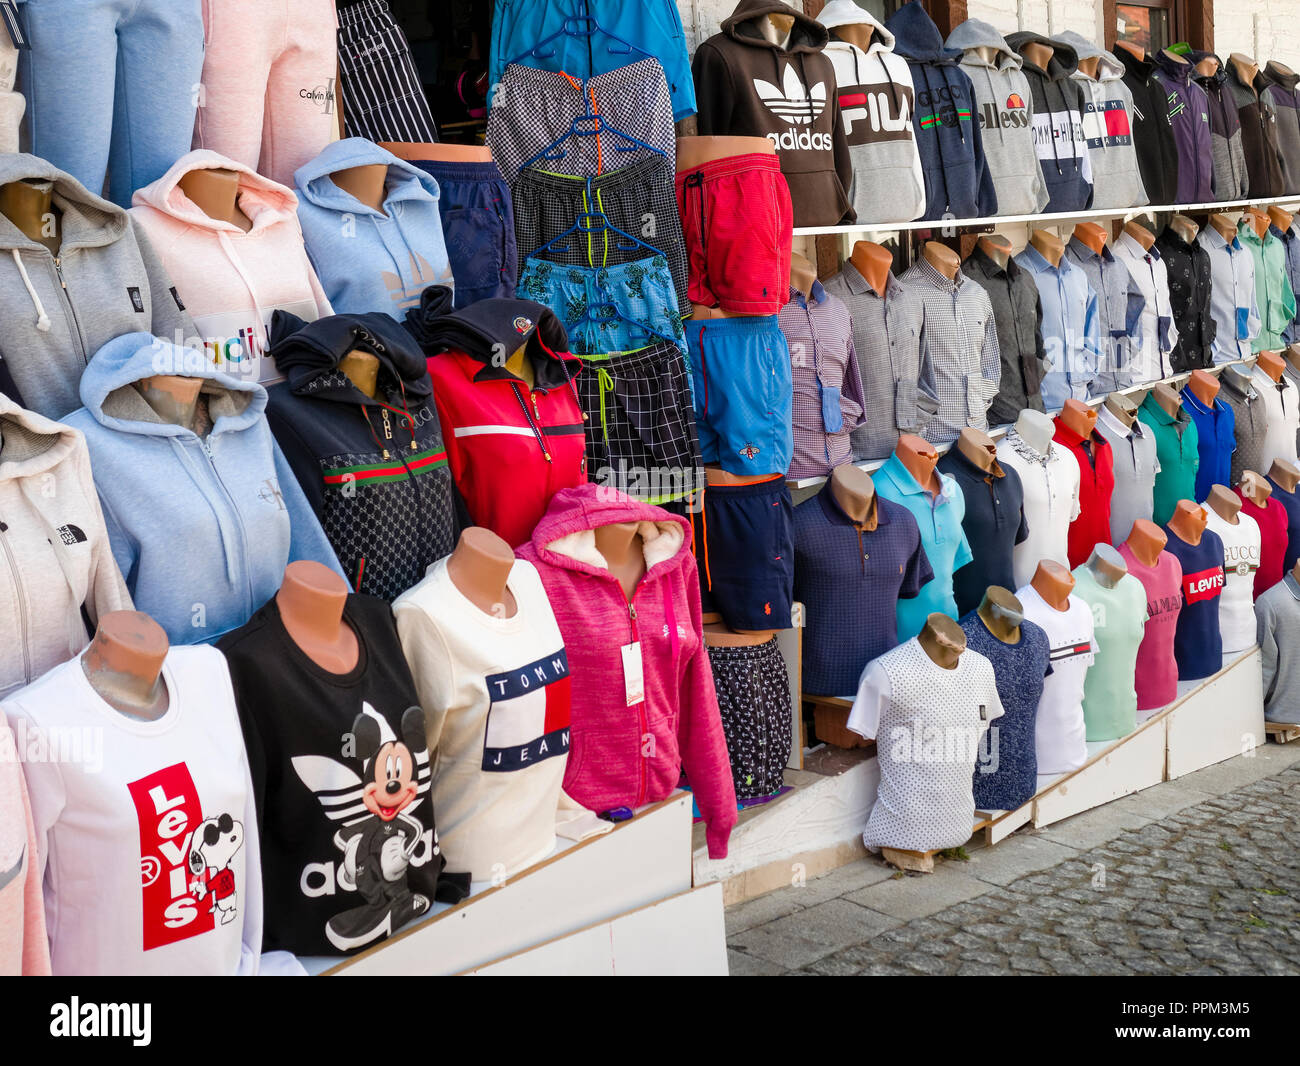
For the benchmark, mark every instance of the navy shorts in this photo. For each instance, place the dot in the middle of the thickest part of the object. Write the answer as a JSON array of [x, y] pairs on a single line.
[[744, 551], [478, 225]]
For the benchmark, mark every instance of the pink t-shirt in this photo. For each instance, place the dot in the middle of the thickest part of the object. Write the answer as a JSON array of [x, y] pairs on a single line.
[[1157, 669]]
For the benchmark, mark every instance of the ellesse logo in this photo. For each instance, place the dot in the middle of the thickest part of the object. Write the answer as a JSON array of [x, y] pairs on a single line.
[[1013, 115], [795, 105]]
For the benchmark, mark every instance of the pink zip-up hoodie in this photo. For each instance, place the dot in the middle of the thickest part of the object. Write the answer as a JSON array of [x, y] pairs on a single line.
[[621, 756], [24, 947]]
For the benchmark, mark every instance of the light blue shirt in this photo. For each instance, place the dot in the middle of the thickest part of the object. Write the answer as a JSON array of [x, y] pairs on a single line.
[[939, 520], [1071, 327], [1232, 296]]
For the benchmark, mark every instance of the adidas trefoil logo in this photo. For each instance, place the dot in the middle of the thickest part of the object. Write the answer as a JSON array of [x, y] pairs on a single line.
[[795, 105]]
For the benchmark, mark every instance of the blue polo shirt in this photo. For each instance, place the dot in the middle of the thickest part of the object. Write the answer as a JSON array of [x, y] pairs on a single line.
[[850, 581], [1216, 440], [940, 521]]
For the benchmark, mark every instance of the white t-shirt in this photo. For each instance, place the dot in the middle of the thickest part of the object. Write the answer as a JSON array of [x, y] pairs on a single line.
[[1061, 734], [495, 693], [1241, 552], [1051, 485], [146, 832], [928, 724]]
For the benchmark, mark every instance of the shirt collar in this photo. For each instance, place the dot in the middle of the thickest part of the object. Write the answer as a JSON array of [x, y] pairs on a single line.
[[835, 513], [1153, 408], [985, 262], [1036, 263], [1291, 586], [940, 281], [1214, 239], [1190, 399], [902, 479], [858, 284], [1084, 251], [1111, 419], [818, 295], [1128, 242], [1070, 438]]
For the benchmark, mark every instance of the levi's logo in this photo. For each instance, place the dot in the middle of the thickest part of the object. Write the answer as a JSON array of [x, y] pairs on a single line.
[[1203, 585], [137, 301], [71, 535]]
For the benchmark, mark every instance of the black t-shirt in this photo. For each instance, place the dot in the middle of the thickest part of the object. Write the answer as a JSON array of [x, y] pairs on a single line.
[[341, 777]]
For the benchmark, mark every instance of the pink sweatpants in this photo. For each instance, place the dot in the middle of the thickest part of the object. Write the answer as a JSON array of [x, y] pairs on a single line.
[[269, 82]]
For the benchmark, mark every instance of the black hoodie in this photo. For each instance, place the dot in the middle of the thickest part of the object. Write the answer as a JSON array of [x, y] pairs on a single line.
[[1153, 136], [746, 86], [374, 469]]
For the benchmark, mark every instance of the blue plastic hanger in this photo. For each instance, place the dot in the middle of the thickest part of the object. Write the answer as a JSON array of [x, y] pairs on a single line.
[[589, 224], [589, 126], [584, 25]]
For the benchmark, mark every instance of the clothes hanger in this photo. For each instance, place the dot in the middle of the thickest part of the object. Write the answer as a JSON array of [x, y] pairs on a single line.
[[584, 25], [589, 125], [602, 225]]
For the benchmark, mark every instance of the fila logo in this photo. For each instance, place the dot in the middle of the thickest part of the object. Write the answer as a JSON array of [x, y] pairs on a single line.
[[71, 535], [870, 116]]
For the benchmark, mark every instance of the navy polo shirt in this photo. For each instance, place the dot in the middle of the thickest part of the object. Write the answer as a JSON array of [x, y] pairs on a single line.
[[1198, 644], [994, 524], [1291, 501], [849, 581], [1216, 441]]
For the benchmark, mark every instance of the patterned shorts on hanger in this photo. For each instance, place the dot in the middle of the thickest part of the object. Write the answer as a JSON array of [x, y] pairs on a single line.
[[640, 430], [757, 719], [534, 108], [638, 200], [604, 308]]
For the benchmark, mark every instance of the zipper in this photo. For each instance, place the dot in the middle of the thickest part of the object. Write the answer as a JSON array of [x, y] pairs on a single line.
[[534, 419], [230, 499], [23, 606], [640, 707], [69, 309]]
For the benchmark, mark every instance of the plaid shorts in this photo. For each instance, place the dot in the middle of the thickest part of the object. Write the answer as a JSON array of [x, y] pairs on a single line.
[[640, 426], [757, 719], [638, 199], [533, 108]]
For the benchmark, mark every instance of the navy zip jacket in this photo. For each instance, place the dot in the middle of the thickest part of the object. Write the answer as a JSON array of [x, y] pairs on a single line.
[[1189, 116], [958, 183]]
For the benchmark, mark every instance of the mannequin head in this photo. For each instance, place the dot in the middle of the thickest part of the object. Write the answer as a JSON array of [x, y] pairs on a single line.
[[802, 274], [1255, 488], [1204, 386], [1002, 613], [1122, 407], [919, 457], [1091, 234], [311, 600], [1257, 219], [1285, 474], [1225, 503], [942, 258], [1169, 400], [1188, 521], [479, 567], [1208, 67], [979, 448], [1223, 225], [1079, 417], [1281, 217], [362, 369], [997, 248], [1054, 583], [1036, 429], [215, 192], [855, 492], [857, 34], [1184, 227], [1272, 364], [1048, 245], [1141, 234], [1038, 54], [776, 28], [1146, 541], [1107, 566], [124, 664], [172, 397], [873, 262], [943, 640], [29, 205]]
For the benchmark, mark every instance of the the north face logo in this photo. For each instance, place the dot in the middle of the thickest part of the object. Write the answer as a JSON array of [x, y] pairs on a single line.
[[71, 535]]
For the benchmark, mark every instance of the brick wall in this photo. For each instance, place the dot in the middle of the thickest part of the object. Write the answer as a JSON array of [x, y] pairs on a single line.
[[1264, 29]]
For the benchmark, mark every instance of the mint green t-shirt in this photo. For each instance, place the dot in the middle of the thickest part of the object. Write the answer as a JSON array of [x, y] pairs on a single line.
[[1119, 618]]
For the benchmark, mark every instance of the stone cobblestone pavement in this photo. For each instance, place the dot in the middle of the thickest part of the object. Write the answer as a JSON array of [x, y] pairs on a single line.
[[1204, 879]]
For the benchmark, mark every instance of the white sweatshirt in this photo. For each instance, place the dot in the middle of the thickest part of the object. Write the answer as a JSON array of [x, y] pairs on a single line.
[[146, 832], [495, 693]]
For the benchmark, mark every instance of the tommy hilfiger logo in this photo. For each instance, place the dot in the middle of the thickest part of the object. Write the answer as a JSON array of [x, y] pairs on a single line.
[[71, 535]]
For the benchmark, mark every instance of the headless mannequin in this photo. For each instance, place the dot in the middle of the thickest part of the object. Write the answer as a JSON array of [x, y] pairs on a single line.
[[1106, 565], [1002, 614], [1123, 408], [1170, 402], [855, 492], [1225, 502], [173, 398], [1204, 386], [1255, 489], [1206, 68], [1089, 66], [1134, 49], [1282, 219], [873, 262], [1240, 377], [1036, 430], [1089, 233], [1258, 219], [1048, 245], [362, 369], [1079, 417], [1174, 56], [1286, 475], [1054, 583], [1223, 225], [311, 601], [989, 55], [216, 193], [1292, 355], [919, 457], [857, 35], [1188, 522], [943, 640], [365, 183], [1146, 541], [802, 274], [1038, 54], [440, 153], [624, 553], [1141, 234], [997, 248], [1184, 227], [1272, 364], [1246, 68], [776, 28], [124, 665], [29, 205], [479, 567], [942, 258], [979, 448]]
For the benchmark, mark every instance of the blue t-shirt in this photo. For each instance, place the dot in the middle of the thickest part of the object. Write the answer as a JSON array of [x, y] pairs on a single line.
[[849, 582], [1006, 773], [1198, 644], [1216, 440]]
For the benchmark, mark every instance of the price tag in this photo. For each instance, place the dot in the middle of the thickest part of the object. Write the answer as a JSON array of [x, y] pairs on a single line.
[[13, 21], [633, 674]]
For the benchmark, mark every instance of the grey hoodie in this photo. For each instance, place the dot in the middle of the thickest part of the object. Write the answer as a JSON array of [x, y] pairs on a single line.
[[1108, 122], [55, 556], [1006, 115], [59, 310]]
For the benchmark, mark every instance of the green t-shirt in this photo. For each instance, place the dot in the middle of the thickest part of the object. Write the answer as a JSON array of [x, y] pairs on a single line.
[[1178, 449], [1119, 618]]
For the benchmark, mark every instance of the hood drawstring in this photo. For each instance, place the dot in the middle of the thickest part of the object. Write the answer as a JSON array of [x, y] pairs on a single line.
[[997, 111], [42, 319], [228, 247], [227, 537], [855, 51]]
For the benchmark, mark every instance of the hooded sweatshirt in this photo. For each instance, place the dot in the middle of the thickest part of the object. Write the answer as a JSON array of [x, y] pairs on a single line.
[[1231, 177], [371, 260], [1108, 123], [877, 101], [1006, 117], [612, 639], [229, 280], [494, 422], [1152, 135], [55, 557], [59, 310], [201, 527], [1189, 117], [1280, 86], [1259, 134], [746, 86], [958, 182], [1058, 123], [373, 469]]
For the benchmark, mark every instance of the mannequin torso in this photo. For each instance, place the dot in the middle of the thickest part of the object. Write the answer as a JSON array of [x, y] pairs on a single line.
[[124, 665], [1002, 613], [1054, 583], [1258, 220], [855, 492], [479, 567], [364, 183], [1188, 522], [620, 544], [1246, 68], [216, 193], [693, 152], [1282, 218], [1225, 502], [1146, 541], [802, 274], [362, 369], [1040, 55], [311, 601], [858, 34], [1184, 227], [1133, 49]]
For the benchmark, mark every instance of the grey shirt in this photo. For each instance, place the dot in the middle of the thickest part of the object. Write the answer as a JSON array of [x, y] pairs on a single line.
[[1136, 466], [1232, 295], [897, 381], [1277, 621], [1252, 424]]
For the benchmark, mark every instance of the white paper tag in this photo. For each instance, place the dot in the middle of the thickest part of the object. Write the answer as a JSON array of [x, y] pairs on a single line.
[[633, 674]]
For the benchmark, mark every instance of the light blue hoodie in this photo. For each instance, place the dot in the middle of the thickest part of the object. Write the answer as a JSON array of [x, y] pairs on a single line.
[[202, 528], [369, 260]]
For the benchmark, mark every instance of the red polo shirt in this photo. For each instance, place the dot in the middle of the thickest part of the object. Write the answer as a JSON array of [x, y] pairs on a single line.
[[1096, 483], [1273, 524]]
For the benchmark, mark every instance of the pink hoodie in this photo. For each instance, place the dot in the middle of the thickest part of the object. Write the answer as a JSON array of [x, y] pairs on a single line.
[[623, 756], [231, 281], [24, 947]]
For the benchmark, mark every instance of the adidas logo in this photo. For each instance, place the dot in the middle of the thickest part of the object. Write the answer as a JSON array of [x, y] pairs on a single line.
[[795, 105], [425, 275]]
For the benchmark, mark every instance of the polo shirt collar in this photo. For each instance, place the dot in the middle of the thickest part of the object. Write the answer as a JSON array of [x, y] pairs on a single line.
[[858, 284], [1161, 415], [1291, 585], [1065, 435], [1108, 416], [1190, 399], [901, 478], [962, 460], [835, 513]]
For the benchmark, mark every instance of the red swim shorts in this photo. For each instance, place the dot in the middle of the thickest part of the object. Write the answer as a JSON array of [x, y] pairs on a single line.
[[738, 224]]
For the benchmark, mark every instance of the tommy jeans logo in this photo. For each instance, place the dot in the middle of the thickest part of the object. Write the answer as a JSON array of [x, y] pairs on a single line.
[[1106, 124], [529, 717], [71, 535]]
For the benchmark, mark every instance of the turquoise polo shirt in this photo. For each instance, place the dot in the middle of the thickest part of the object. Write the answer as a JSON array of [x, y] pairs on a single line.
[[939, 520]]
